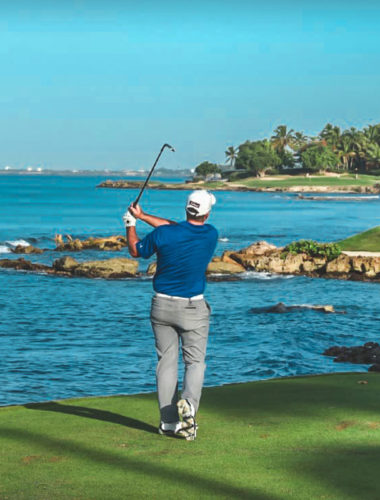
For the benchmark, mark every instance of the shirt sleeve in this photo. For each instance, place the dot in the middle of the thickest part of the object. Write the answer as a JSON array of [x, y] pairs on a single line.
[[148, 245]]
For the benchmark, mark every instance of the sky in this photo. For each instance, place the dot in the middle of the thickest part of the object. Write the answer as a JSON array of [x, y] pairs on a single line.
[[102, 84]]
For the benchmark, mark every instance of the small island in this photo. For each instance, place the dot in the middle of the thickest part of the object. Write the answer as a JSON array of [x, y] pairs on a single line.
[[333, 161]]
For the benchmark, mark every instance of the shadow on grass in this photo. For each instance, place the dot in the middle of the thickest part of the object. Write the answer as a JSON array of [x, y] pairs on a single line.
[[82, 411], [185, 480], [306, 397], [346, 471]]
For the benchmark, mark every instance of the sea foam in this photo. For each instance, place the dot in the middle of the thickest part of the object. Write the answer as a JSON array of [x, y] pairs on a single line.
[[20, 242]]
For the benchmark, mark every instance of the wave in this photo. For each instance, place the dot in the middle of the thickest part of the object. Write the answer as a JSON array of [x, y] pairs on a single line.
[[249, 275], [264, 275], [16, 243], [4, 249], [224, 240]]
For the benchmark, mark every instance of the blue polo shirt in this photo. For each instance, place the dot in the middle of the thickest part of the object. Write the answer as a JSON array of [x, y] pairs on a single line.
[[183, 253]]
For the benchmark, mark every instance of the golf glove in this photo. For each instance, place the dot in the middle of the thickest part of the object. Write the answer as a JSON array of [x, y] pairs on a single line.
[[128, 219]]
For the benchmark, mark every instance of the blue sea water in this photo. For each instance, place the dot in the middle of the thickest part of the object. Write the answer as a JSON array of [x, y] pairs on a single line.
[[68, 337]]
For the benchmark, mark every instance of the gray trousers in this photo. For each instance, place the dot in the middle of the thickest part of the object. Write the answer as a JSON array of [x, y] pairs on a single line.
[[172, 320]]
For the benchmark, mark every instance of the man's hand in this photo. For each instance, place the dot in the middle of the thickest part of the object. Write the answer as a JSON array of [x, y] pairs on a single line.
[[136, 211], [128, 219]]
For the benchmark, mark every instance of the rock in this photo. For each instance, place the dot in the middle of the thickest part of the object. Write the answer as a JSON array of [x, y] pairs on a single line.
[[151, 269], [110, 268], [366, 354], [112, 243], [367, 265], [219, 267], [226, 257], [341, 264], [27, 249], [22, 264], [283, 308], [259, 248], [65, 264]]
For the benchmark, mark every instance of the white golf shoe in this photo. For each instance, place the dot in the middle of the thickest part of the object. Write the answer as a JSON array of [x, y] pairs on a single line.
[[170, 428], [186, 412]]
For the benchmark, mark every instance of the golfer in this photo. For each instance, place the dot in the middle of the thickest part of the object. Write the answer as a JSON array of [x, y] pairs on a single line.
[[179, 311]]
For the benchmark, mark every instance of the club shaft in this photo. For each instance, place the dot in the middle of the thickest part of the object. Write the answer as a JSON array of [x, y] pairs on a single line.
[[149, 175]]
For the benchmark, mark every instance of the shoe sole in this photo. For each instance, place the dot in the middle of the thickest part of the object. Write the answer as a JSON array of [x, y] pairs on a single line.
[[184, 411]]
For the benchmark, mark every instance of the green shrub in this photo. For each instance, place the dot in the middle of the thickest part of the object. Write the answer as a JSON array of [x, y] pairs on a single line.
[[330, 251]]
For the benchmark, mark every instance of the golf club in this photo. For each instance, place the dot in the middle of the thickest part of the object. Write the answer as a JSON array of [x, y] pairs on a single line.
[[151, 172]]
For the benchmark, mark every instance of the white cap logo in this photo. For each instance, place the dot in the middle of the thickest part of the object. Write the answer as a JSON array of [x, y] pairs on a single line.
[[200, 202]]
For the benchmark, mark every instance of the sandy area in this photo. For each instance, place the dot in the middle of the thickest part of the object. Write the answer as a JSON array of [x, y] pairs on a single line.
[[362, 253]]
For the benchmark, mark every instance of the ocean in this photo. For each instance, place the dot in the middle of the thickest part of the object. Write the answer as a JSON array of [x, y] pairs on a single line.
[[70, 337]]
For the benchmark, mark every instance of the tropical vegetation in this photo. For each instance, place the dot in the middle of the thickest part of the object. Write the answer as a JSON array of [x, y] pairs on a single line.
[[206, 168], [329, 251], [289, 151]]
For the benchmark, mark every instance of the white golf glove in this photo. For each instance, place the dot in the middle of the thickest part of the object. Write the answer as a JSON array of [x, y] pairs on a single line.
[[128, 219]]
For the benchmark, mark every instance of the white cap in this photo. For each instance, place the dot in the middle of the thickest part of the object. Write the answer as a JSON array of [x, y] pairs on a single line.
[[200, 202]]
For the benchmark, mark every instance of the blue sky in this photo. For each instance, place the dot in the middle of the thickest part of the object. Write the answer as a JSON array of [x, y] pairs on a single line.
[[102, 84]]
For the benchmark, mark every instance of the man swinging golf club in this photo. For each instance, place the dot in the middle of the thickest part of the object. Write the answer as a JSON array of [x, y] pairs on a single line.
[[179, 311]]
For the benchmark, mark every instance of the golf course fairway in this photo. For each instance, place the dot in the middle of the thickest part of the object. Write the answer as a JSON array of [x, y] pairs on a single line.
[[314, 437], [368, 241]]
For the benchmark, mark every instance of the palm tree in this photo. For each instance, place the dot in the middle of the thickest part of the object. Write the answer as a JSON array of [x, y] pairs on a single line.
[[372, 132], [373, 153], [331, 135], [349, 148], [300, 140], [282, 137], [231, 154]]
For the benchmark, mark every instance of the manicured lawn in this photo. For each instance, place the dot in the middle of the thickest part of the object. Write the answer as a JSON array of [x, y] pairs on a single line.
[[296, 438], [368, 241], [289, 181]]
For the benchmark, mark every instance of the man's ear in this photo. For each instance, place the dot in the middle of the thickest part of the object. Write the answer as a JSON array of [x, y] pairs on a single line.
[[206, 216]]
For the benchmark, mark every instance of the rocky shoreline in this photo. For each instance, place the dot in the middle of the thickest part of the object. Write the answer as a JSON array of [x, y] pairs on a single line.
[[227, 186], [368, 354], [260, 257]]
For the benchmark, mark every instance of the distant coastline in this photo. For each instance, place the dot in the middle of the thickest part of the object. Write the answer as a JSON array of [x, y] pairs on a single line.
[[295, 184], [163, 172]]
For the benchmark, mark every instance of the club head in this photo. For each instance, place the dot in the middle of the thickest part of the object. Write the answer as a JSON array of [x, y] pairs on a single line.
[[170, 147]]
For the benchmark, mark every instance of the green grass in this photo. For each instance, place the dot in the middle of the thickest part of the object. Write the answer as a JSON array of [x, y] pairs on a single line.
[[296, 438], [290, 181], [367, 241]]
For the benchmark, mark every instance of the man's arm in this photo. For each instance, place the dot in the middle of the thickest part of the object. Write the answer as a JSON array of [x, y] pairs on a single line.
[[132, 240], [152, 220]]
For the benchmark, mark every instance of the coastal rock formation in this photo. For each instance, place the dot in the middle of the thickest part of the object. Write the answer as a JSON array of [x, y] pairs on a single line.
[[151, 269], [171, 186], [222, 267], [235, 186], [264, 257], [367, 354], [67, 266], [283, 308], [27, 249], [110, 268], [216, 266], [22, 264], [111, 243], [260, 257]]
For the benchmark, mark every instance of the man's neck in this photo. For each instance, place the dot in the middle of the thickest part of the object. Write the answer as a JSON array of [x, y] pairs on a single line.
[[195, 223]]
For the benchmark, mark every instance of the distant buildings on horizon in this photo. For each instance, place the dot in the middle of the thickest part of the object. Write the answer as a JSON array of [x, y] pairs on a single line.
[[164, 172]]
